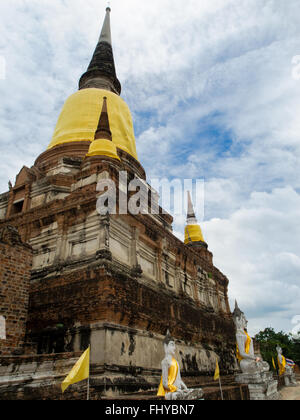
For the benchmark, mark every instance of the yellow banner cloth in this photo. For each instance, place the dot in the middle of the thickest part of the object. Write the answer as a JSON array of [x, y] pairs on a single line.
[[79, 372], [217, 372]]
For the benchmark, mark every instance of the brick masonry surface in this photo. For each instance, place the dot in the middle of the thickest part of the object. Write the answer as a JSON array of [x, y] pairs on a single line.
[[15, 266]]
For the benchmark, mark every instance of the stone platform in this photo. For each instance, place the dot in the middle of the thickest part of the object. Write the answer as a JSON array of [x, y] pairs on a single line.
[[39, 377], [262, 386]]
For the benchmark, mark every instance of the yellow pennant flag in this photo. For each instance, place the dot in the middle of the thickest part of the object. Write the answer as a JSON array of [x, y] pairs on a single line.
[[79, 372], [273, 361], [217, 372]]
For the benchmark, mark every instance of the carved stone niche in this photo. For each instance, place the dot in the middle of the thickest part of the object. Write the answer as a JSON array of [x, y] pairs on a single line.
[[104, 254], [137, 271], [9, 235]]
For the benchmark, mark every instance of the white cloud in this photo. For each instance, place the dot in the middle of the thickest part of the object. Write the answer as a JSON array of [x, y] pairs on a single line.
[[211, 90], [258, 248]]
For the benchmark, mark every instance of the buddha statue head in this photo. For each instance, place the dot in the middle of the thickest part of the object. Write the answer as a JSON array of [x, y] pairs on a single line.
[[279, 350], [169, 344], [239, 318]]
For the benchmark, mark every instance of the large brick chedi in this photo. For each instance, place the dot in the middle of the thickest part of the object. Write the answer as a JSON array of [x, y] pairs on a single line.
[[15, 266], [116, 282]]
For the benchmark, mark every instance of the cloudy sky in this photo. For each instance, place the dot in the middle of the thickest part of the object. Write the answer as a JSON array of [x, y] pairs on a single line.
[[214, 89]]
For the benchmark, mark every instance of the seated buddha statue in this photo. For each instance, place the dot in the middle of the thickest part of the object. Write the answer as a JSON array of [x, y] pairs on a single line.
[[285, 370], [172, 386], [248, 362]]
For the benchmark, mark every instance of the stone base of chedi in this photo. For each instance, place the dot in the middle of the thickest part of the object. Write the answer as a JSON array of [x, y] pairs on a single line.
[[262, 385]]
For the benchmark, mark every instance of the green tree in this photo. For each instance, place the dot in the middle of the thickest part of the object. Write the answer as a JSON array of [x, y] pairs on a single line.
[[269, 340], [295, 351]]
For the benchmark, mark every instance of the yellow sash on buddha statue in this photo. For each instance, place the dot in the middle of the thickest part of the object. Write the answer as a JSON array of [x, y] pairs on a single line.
[[172, 375], [281, 366], [247, 347]]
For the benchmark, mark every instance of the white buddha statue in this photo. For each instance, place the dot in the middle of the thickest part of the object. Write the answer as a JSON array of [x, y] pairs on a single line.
[[285, 370], [172, 386], [248, 362]]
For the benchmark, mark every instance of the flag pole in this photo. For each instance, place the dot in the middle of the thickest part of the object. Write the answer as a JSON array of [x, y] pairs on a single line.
[[88, 383], [217, 376], [221, 389]]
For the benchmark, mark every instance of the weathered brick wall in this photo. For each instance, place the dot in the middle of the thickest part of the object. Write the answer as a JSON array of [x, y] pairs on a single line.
[[15, 266], [91, 295]]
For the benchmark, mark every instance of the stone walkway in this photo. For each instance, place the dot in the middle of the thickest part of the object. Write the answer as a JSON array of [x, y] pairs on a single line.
[[290, 394]]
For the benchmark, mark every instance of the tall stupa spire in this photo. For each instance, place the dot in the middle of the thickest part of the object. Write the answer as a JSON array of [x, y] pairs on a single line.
[[103, 129], [105, 35], [193, 232], [102, 144], [101, 72]]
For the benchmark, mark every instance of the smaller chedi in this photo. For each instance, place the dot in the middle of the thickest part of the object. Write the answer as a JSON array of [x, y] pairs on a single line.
[[172, 386], [285, 370], [254, 371]]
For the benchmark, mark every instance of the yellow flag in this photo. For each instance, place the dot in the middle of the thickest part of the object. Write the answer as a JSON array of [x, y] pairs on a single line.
[[79, 372], [217, 372], [273, 361]]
